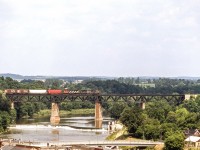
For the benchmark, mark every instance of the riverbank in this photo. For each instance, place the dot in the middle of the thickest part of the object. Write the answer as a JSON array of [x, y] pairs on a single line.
[[123, 135], [47, 112]]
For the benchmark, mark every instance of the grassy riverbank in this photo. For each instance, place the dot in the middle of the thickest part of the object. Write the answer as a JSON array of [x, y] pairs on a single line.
[[121, 135], [47, 112], [124, 135]]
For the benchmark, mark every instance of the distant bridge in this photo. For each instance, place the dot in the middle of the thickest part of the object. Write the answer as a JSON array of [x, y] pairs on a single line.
[[175, 99]]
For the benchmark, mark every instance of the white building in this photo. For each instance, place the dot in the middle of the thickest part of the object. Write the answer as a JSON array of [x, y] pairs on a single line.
[[192, 141]]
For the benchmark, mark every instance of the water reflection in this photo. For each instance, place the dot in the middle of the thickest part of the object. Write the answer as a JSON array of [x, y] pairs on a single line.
[[73, 128]]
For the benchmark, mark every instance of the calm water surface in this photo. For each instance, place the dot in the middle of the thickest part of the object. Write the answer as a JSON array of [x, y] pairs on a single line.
[[71, 128]]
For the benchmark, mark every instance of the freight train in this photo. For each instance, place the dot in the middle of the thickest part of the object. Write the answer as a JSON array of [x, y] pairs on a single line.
[[50, 91]]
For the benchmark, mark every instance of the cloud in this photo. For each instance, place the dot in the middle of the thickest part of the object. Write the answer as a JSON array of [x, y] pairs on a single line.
[[117, 37]]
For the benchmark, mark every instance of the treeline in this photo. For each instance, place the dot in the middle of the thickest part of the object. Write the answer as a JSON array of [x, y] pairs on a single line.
[[120, 85], [162, 86]]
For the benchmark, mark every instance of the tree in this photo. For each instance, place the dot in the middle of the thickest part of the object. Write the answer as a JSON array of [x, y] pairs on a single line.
[[66, 106], [4, 103], [12, 84], [149, 129], [167, 128], [181, 115], [53, 83], [175, 141], [132, 118], [116, 109], [158, 109], [171, 117], [191, 105], [137, 81], [5, 120]]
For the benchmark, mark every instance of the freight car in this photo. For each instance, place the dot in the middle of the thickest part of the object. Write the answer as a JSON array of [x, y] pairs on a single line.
[[65, 91], [10, 91], [16, 91], [54, 91], [38, 91], [50, 91]]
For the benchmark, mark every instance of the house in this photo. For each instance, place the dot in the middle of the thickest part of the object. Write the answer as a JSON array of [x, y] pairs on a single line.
[[192, 132], [192, 141]]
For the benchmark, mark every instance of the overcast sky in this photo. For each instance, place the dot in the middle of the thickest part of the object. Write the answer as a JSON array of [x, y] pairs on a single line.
[[100, 37]]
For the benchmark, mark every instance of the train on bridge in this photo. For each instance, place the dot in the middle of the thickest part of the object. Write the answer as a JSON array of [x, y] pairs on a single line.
[[50, 91]]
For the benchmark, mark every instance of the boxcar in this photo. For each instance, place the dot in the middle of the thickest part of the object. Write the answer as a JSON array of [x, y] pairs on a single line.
[[54, 91], [37, 91], [22, 91], [10, 91]]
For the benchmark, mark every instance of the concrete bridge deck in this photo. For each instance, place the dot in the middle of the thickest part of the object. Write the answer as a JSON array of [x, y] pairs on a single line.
[[141, 143]]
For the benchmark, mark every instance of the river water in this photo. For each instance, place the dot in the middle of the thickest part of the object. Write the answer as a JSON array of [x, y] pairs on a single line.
[[71, 128]]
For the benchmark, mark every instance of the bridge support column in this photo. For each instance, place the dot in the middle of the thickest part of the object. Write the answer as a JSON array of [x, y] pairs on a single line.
[[142, 105], [189, 96], [98, 114], [12, 105], [55, 118]]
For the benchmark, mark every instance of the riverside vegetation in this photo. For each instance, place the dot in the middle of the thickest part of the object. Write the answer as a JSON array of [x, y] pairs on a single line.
[[47, 112], [160, 120]]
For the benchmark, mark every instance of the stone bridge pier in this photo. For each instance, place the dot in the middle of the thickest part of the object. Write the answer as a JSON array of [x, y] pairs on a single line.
[[12, 105], [98, 114], [55, 117], [189, 96], [142, 105]]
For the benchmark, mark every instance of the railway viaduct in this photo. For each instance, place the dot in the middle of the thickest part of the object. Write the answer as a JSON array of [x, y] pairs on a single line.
[[55, 99]]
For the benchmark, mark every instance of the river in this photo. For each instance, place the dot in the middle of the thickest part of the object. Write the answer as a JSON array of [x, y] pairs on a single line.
[[71, 128]]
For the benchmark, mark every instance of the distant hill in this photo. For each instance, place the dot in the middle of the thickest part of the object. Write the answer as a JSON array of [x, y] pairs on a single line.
[[179, 77], [73, 78], [66, 78], [13, 76]]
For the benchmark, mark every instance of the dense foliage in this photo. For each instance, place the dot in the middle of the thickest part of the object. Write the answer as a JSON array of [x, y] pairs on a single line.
[[120, 85], [76, 105], [161, 121], [160, 117], [175, 141], [6, 115], [159, 86]]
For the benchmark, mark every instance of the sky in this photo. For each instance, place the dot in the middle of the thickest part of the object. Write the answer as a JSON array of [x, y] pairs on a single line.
[[120, 38]]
